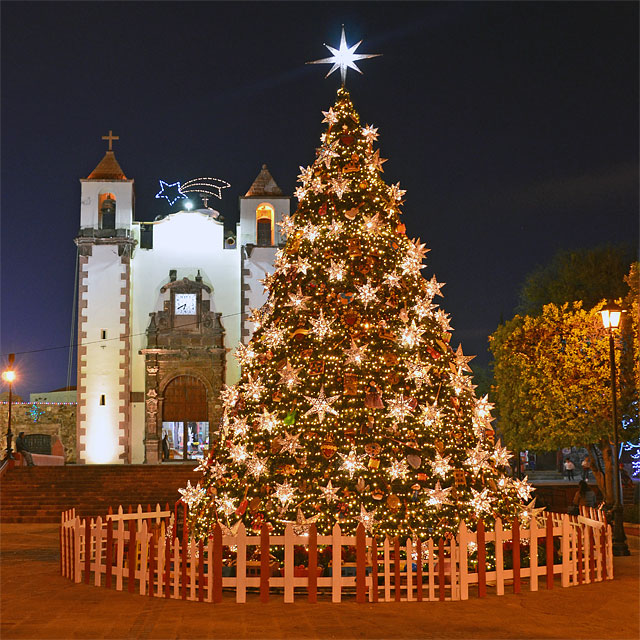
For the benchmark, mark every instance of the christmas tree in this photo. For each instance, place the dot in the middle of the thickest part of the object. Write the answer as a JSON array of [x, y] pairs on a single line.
[[352, 406]]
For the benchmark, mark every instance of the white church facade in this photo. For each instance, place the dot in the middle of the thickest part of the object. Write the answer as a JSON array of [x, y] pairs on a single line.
[[161, 308]]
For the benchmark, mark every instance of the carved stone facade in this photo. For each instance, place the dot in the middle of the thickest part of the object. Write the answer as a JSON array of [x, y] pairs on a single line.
[[182, 345]]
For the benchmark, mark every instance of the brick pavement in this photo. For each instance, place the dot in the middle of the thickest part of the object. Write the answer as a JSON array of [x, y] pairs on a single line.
[[36, 602]]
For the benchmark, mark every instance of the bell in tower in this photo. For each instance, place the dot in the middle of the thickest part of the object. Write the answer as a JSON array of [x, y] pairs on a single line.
[[108, 213]]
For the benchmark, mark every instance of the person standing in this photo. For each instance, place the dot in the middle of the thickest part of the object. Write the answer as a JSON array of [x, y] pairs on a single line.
[[569, 467], [584, 496], [165, 447], [586, 465], [21, 448]]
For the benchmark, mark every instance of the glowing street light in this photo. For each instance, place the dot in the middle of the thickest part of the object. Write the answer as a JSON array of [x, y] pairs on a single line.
[[611, 314], [9, 375]]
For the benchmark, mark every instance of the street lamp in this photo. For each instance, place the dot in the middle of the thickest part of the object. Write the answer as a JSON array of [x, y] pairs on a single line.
[[611, 315], [9, 375]]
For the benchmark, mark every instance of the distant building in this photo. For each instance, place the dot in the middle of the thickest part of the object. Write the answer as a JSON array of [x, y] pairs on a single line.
[[161, 307], [66, 394]]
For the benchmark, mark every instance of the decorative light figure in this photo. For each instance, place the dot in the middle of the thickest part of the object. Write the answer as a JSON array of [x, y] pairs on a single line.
[[344, 58], [165, 188]]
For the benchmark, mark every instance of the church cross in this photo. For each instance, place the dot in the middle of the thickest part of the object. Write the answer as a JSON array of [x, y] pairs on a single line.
[[110, 138]]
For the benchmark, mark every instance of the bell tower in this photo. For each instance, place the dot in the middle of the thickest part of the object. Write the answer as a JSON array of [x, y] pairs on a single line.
[[105, 244], [261, 209]]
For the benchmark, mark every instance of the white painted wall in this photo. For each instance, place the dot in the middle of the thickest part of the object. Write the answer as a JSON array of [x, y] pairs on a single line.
[[185, 241], [256, 267], [103, 278]]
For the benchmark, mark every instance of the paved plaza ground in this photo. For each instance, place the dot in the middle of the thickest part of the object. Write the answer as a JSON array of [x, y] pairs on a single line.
[[36, 602]]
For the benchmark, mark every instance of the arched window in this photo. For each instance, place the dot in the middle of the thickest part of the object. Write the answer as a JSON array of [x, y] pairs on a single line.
[[264, 225], [107, 211]]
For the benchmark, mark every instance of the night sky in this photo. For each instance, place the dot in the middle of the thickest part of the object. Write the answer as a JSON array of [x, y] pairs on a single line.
[[513, 127]]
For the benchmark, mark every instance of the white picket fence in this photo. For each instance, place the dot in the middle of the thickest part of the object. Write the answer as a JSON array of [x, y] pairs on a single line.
[[139, 551]]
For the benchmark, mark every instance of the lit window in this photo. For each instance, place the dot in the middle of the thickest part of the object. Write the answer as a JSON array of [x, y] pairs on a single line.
[[264, 225]]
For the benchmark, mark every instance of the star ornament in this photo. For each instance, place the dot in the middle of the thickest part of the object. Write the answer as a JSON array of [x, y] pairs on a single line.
[[355, 355], [170, 191], [321, 326], [289, 375], [330, 493], [302, 524], [344, 58], [351, 463], [438, 496], [399, 407], [321, 405], [368, 518], [192, 496], [284, 492]]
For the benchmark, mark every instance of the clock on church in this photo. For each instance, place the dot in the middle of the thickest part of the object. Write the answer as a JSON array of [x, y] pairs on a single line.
[[185, 304]]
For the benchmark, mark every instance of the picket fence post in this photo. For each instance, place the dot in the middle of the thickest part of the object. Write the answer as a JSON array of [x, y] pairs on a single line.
[[336, 564], [289, 540], [98, 562], [77, 545], [482, 559], [241, 564], [216, 579], [409, 556], [312, 588], [386, 549], [431, 569], [360, 563], [499, 551], [464, 538], [566, 551]]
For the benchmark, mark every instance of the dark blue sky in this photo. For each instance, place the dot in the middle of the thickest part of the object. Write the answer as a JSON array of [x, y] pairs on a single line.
[[513, 127]]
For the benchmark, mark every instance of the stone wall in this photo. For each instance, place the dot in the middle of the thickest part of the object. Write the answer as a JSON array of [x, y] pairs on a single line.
[[47, 418]]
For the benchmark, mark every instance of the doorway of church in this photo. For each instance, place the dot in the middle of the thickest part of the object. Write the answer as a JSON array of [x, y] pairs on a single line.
[[185, 418], [187, 440]]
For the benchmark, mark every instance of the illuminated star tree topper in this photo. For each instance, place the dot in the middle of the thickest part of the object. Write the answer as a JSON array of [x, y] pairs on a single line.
[[344, 57]]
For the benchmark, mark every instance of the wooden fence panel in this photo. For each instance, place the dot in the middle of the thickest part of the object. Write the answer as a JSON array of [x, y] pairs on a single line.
[[88, 529], [419, 584], [312, 590], [336, 564], [361, 552], [549, 551], [289, 541], [397, 588], [144, 553], [409, 556], [482, 559], [431, 569], [373, 591], [515, 546], [499, 552], [386, 557], [455, 586], [193, 570], [216, 579], [265, 570], [241, 564]]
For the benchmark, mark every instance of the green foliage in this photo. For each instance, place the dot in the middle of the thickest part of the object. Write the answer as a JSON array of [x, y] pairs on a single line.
[[588, 275], [552, 378]]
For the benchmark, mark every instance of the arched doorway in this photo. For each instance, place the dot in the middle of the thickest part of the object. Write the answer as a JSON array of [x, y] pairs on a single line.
[[185, 418]]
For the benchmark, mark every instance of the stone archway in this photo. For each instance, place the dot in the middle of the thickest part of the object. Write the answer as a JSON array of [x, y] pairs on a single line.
[[185, 416]]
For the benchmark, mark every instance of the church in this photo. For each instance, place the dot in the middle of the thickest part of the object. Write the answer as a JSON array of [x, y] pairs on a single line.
[[161, 308]]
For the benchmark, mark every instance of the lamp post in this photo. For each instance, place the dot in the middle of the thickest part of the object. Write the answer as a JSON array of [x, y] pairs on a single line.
[[611, 314], [9, 375]]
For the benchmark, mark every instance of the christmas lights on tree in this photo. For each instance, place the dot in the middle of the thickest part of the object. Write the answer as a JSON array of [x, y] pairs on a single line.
[[352, 406]]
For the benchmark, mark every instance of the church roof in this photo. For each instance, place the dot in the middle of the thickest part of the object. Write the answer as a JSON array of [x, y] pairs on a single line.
[[107, 169], [264, 185]]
